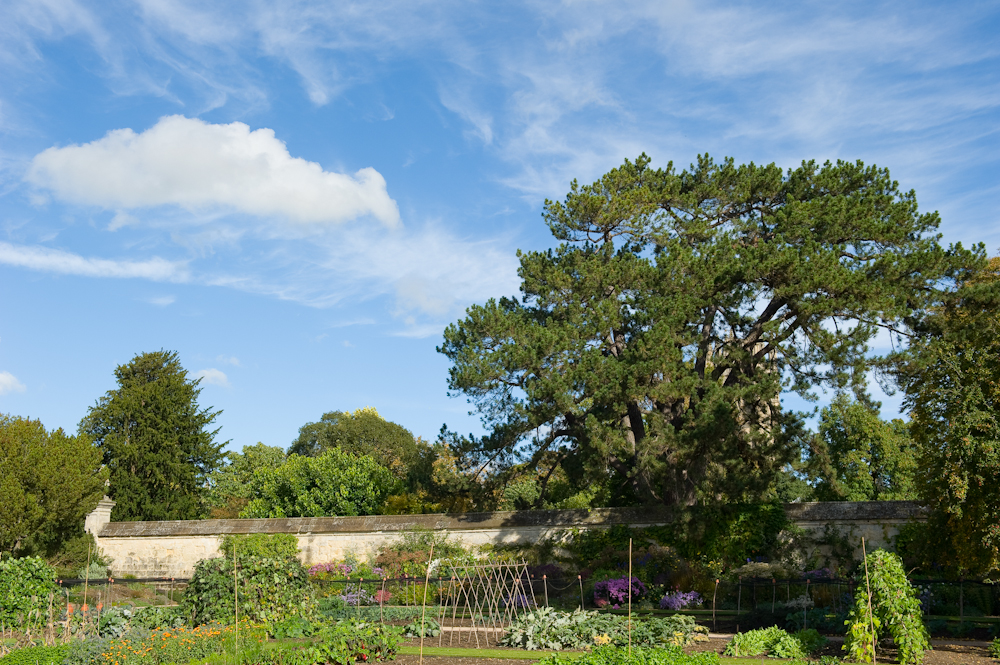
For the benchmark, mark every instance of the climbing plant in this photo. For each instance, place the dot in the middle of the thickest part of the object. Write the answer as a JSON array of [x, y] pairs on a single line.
[[893, 607]]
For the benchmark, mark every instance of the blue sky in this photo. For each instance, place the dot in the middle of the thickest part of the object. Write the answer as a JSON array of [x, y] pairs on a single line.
[[299, 196]]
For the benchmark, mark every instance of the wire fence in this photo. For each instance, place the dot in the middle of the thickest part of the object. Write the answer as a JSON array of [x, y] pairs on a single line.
[[492, 593]]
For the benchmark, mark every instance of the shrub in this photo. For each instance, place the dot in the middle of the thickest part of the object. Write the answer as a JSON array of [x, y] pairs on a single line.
[[25, 585], [269, 590], [995, 648], [895, 609], [678, 600], [40, 655], [775, 642], [616, 656], [546, 628], [348, 641], [261, 545], [616, 591]]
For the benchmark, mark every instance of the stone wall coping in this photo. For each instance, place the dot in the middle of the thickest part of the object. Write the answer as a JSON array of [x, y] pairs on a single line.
[[839, 511]]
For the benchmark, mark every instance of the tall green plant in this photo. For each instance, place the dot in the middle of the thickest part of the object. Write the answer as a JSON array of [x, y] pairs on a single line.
[[269, 590], [25, 585], [894, 609]]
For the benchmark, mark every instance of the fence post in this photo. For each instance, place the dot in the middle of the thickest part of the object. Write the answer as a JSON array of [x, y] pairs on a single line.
[[579, 578], [739, 602], [714, 596], [545, 586]]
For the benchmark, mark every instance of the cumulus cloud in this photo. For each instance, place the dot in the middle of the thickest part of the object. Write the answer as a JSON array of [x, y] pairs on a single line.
[[10, 384], [58, 261], [196, 165], [212, 377]]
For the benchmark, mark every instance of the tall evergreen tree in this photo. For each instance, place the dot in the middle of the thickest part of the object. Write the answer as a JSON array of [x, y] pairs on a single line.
[[48, 483], [654, 343], [155, 439]]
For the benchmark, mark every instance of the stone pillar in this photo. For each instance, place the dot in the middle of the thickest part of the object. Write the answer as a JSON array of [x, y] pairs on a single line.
[[99, 517]]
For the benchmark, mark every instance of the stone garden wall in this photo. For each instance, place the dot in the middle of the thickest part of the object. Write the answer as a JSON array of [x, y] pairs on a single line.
[[171, 549]]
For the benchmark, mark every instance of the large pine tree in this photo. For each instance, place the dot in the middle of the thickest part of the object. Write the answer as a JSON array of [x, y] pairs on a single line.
[[155, 439]]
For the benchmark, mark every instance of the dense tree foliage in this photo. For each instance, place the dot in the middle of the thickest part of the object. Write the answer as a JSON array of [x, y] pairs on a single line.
[[360, 432], [155, 440], [653, 344], [951, 377], [334, 483], [48, 483], [230, 485], [860, 457]]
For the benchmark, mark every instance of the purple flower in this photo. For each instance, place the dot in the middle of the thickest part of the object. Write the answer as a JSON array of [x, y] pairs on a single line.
[[678, 600], [617, 590]]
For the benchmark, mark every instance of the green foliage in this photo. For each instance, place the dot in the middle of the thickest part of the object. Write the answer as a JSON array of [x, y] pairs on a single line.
[[48, 483], [269, 590], [260, 545], [361, 432], [230, 485], [334, 483], [725, 535], [894, 609], [40, 655], [637, 656], [951, 377], [653, 344], [776, 643], [335, 611], [548, 628], [860, 457], [25, 585], [343, 643], [292, 628], [428, 628], [154, 440], [995, 648]]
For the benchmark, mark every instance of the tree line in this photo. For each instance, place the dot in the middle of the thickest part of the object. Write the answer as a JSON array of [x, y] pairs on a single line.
[[643, 362]]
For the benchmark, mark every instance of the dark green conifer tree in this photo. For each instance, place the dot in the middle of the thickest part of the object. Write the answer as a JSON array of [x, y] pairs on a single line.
[[155, 440]]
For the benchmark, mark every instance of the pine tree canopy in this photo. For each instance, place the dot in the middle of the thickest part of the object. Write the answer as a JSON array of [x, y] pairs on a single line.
[[653, 344]]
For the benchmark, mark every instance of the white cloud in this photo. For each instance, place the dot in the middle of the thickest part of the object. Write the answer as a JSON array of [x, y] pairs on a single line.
[[162, 301], [230, 360], [10, 384], [212, 377], [58, 261], [200, 166]]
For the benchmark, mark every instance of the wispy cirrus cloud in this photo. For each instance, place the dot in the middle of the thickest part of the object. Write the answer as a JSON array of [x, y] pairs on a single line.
[[68, 263]]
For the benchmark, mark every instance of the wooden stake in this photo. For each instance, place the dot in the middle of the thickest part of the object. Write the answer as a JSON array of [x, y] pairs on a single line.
[[423, 611], [630, 597], [86, 584], [871, 616], [236, 605]]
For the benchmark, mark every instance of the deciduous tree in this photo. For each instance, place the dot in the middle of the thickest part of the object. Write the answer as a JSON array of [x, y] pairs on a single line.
[[951, 378], [334, 483], [860, 457]]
